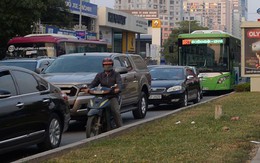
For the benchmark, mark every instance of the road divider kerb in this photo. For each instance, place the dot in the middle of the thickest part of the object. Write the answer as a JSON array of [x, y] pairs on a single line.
[[63, 149]]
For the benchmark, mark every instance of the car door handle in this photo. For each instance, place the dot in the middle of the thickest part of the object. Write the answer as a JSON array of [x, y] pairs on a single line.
[[19, 104], [46, 100]]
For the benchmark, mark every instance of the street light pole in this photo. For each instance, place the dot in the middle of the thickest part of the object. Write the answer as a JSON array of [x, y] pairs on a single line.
[[80, 14], [189, 21]]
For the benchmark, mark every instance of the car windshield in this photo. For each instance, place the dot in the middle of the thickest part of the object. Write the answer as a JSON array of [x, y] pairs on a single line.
[[23, 64], [167, 73], [74, 64]]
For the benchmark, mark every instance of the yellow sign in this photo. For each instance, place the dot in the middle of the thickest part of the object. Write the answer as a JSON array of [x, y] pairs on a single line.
[[156, 23]]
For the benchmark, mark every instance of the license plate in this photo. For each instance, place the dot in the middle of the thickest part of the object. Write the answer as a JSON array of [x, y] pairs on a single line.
[[155, 96]]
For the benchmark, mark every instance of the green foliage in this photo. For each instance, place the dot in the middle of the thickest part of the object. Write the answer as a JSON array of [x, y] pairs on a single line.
[[18, 17], [172, 57], [244, 87]]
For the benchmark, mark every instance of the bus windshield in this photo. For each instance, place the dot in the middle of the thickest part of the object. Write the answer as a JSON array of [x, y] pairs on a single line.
[[32, 50], [206, 57]]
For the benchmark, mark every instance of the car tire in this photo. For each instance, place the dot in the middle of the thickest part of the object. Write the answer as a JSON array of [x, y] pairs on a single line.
[[184, 101], [53, 134], [142, 107], [92, 127], [198, 97]]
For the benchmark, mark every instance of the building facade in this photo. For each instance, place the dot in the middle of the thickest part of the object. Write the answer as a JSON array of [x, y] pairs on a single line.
[[223, 15], [169, 11]]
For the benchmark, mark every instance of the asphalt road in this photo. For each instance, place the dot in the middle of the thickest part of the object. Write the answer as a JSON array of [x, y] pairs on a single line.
[[76, 131]]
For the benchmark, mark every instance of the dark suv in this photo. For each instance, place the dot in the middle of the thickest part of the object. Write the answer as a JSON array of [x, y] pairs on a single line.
[[70, 72], [32, 111], [34, 64]]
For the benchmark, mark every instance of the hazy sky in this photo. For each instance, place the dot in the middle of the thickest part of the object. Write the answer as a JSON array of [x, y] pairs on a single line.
[[253, 5]]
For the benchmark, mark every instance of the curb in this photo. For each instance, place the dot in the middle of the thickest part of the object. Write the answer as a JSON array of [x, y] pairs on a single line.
[[61, 150]]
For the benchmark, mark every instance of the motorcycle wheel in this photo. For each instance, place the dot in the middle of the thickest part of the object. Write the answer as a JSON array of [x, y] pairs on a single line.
[[93, 128]]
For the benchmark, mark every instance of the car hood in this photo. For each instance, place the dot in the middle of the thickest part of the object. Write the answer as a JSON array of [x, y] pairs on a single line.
[[69, 78], [166, 83]]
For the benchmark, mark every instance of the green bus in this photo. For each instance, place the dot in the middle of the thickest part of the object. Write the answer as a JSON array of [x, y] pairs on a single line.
[[215, 54]]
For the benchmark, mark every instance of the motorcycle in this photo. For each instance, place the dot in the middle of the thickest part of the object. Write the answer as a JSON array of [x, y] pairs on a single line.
[[99, 116]]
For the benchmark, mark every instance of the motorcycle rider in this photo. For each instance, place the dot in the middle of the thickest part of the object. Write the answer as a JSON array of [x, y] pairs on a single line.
[[108, 78]]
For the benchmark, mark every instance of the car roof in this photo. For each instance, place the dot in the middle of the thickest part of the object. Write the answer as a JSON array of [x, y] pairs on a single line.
[[166, 66], [104, 54], [3, 67], [25, 59]]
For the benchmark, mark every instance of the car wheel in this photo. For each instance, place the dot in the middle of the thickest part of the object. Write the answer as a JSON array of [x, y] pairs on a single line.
[[53, 134], [93, 126], [197, 100], [184, 102], [142, 106]]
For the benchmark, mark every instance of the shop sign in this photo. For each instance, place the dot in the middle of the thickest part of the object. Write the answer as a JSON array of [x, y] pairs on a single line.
[[87, 9], [115, 18]]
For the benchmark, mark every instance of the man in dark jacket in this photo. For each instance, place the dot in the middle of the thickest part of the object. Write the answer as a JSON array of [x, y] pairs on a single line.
[[109, 78]]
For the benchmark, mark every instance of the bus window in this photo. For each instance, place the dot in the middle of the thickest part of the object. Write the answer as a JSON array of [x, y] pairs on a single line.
[[70, 47], [61, 49], [80, 48], [50, 52]]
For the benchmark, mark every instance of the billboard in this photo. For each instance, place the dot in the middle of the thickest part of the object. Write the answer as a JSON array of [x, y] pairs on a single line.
[[251, 51], [87, 9], [146, 14]]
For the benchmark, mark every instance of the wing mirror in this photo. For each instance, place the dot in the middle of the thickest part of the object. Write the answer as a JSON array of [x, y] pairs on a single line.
[[121, 70], [39, 70], [190, 77], [4, 93]]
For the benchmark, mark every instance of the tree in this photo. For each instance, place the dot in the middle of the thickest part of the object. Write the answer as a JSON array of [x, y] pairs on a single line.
[[17, 18], [171, 44]]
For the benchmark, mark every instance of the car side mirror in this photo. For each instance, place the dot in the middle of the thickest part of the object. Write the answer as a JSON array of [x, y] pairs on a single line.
[[38, 70], [4, 93], [200, 76], [121, 70], [190, 77]]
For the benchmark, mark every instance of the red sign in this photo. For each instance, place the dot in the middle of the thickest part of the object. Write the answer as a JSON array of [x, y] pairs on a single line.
[[186, 42], [254, 33]]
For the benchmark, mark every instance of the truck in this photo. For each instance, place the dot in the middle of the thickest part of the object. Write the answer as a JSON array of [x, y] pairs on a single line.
[[70, 72]]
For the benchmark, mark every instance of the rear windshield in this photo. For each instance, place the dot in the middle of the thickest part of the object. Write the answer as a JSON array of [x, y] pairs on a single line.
[[74, 64], [27, 65], [167, 73]]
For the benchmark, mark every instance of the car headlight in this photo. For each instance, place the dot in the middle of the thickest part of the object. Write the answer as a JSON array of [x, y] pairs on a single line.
[[174, 88]]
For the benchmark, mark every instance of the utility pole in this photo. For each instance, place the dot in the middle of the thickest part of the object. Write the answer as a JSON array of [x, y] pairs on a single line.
[[80, 14], [189, 21]]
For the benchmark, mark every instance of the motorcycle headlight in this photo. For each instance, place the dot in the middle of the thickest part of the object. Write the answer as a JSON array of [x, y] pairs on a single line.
[[174, 88]]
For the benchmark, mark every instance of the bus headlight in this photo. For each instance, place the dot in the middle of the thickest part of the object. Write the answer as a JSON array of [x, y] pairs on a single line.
[[174, 88], [222, 79]]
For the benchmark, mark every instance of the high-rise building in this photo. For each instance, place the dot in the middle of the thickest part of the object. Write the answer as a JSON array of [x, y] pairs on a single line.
[[169, 11], [223, 15]]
